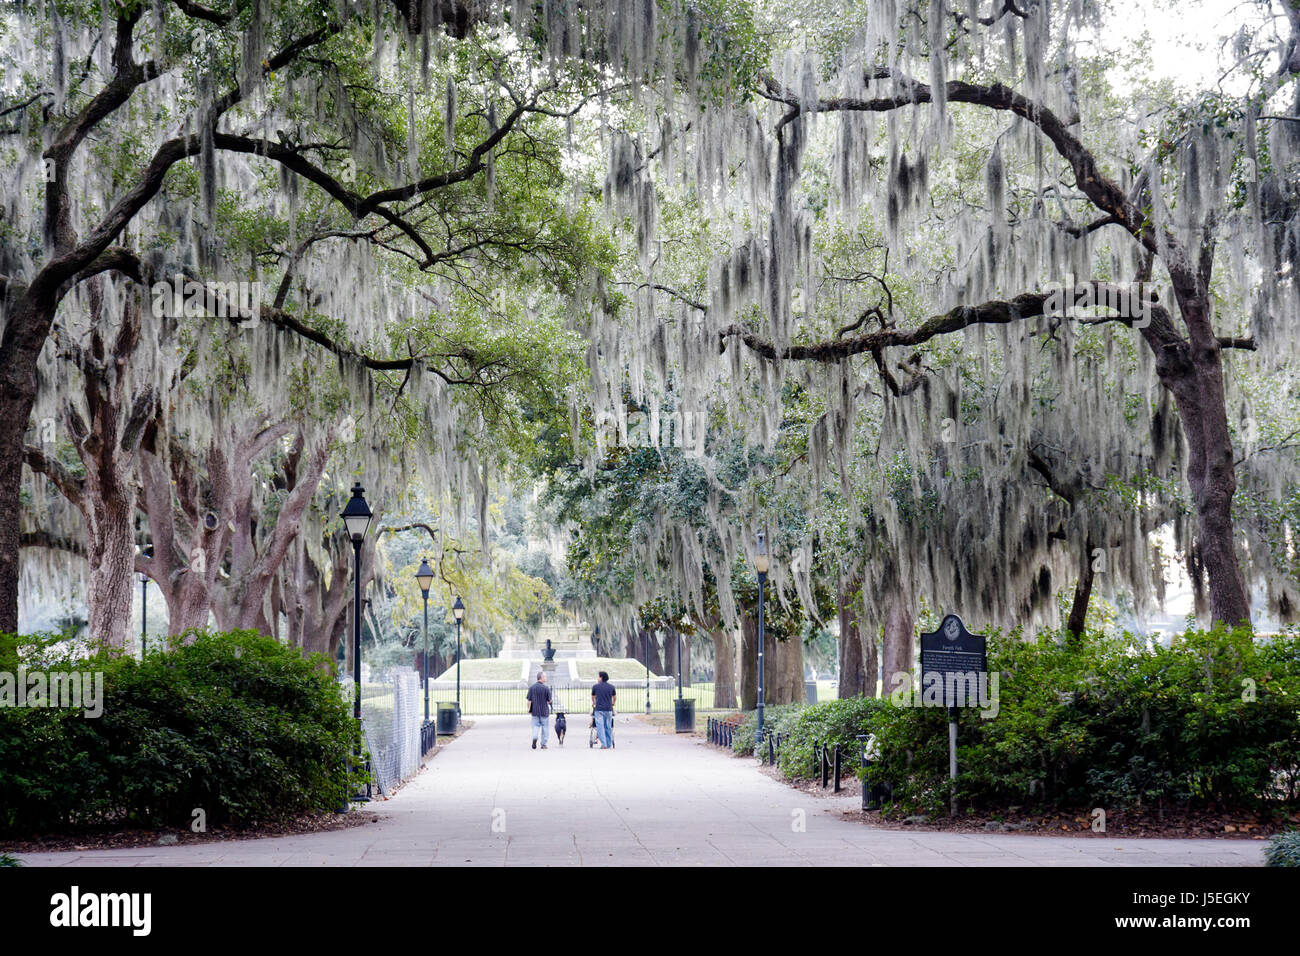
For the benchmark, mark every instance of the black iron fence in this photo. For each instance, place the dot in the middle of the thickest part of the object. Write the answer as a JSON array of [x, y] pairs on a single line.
[[828, 762], [482, 698], [722, 730], [772, 744]]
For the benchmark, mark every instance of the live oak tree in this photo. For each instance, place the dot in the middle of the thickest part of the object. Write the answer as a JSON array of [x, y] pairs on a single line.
[[1187, 348], [1064, 197], [336, 166]]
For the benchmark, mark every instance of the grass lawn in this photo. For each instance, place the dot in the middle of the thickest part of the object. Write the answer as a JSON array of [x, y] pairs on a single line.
[[618, 668], [486, 668], [378, 698]]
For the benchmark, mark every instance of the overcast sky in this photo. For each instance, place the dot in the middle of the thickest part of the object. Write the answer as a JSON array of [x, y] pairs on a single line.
[[1186, 34]]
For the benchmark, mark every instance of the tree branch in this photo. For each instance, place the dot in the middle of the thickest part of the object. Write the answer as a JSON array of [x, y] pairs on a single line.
[[68, 484]]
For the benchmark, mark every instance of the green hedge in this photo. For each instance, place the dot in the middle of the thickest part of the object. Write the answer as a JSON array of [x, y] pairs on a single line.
[[235, 724], [829, 723], [1211, 721], [1283, 849], [776, 717]]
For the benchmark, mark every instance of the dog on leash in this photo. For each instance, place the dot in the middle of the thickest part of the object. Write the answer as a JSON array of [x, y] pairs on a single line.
[[561, 725]]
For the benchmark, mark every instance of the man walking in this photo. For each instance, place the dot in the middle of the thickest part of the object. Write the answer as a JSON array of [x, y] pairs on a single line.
[[602, 702], [539, 705]]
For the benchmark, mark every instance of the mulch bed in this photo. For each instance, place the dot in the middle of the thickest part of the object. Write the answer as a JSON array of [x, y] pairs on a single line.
[[1187, 824], [109, 838], [1146, 822]]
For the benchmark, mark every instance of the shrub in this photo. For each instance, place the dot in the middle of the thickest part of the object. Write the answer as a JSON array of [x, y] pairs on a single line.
[[1283, 849], [8, 861], [235, 724], [829, 723], [1211, 720], [743, 740]]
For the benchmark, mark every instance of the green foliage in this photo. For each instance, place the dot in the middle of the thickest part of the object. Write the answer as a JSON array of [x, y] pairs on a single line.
[[235, 724], [38, 649], [833, 722], [1283, 849], [8, 861], [1213, 720], [776, 717]]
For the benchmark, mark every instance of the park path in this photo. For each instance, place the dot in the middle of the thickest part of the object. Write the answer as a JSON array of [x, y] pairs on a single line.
[[656, 799]]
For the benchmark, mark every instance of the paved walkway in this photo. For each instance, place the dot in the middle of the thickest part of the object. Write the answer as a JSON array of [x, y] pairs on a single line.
[[656, 799]]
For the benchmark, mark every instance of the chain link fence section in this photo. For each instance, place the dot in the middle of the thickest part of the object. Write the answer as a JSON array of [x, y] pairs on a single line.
[[391, 715]]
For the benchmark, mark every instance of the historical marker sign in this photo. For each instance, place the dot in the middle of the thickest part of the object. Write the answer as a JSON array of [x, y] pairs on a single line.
[[956, 660]]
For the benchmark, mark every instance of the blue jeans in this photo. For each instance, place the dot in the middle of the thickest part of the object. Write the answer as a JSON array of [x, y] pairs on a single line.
[[605, 727], [540, 724]]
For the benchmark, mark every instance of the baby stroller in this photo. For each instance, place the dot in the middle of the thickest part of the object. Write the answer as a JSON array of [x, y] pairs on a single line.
[[561, 725], [594, 739]]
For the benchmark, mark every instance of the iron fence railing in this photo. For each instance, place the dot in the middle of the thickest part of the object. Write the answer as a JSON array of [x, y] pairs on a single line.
[[485, 698], [828, 760], [722, 730]]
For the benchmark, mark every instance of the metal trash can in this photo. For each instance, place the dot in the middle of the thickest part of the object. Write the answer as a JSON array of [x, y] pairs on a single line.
[[685, 714], [447, 715], [876, 795], [810, 691]]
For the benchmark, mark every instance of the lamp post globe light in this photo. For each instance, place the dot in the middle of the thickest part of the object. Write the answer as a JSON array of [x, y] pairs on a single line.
[[356, 519], [458, 611], [761, 565], [424, 577]]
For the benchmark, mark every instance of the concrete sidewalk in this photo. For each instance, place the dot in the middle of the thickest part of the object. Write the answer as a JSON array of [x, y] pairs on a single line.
[[656, 799]]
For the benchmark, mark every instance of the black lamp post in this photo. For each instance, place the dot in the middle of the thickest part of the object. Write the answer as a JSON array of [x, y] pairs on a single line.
[[761, 566], [458, 610], [356, 518], [679, 662], [647, 638], [144, 614], [424, 576]]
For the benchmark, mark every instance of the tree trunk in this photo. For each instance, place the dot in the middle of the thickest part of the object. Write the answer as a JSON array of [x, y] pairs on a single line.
[[650, 652], [853, 677], [899, 644], [1192, 370], [785, 684], [748, 662], [25, 330], [111, 552], [1082, 594], [870, 661], [670, 654], [106, 432], [252, 568], [724, 667], [677, 655]]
